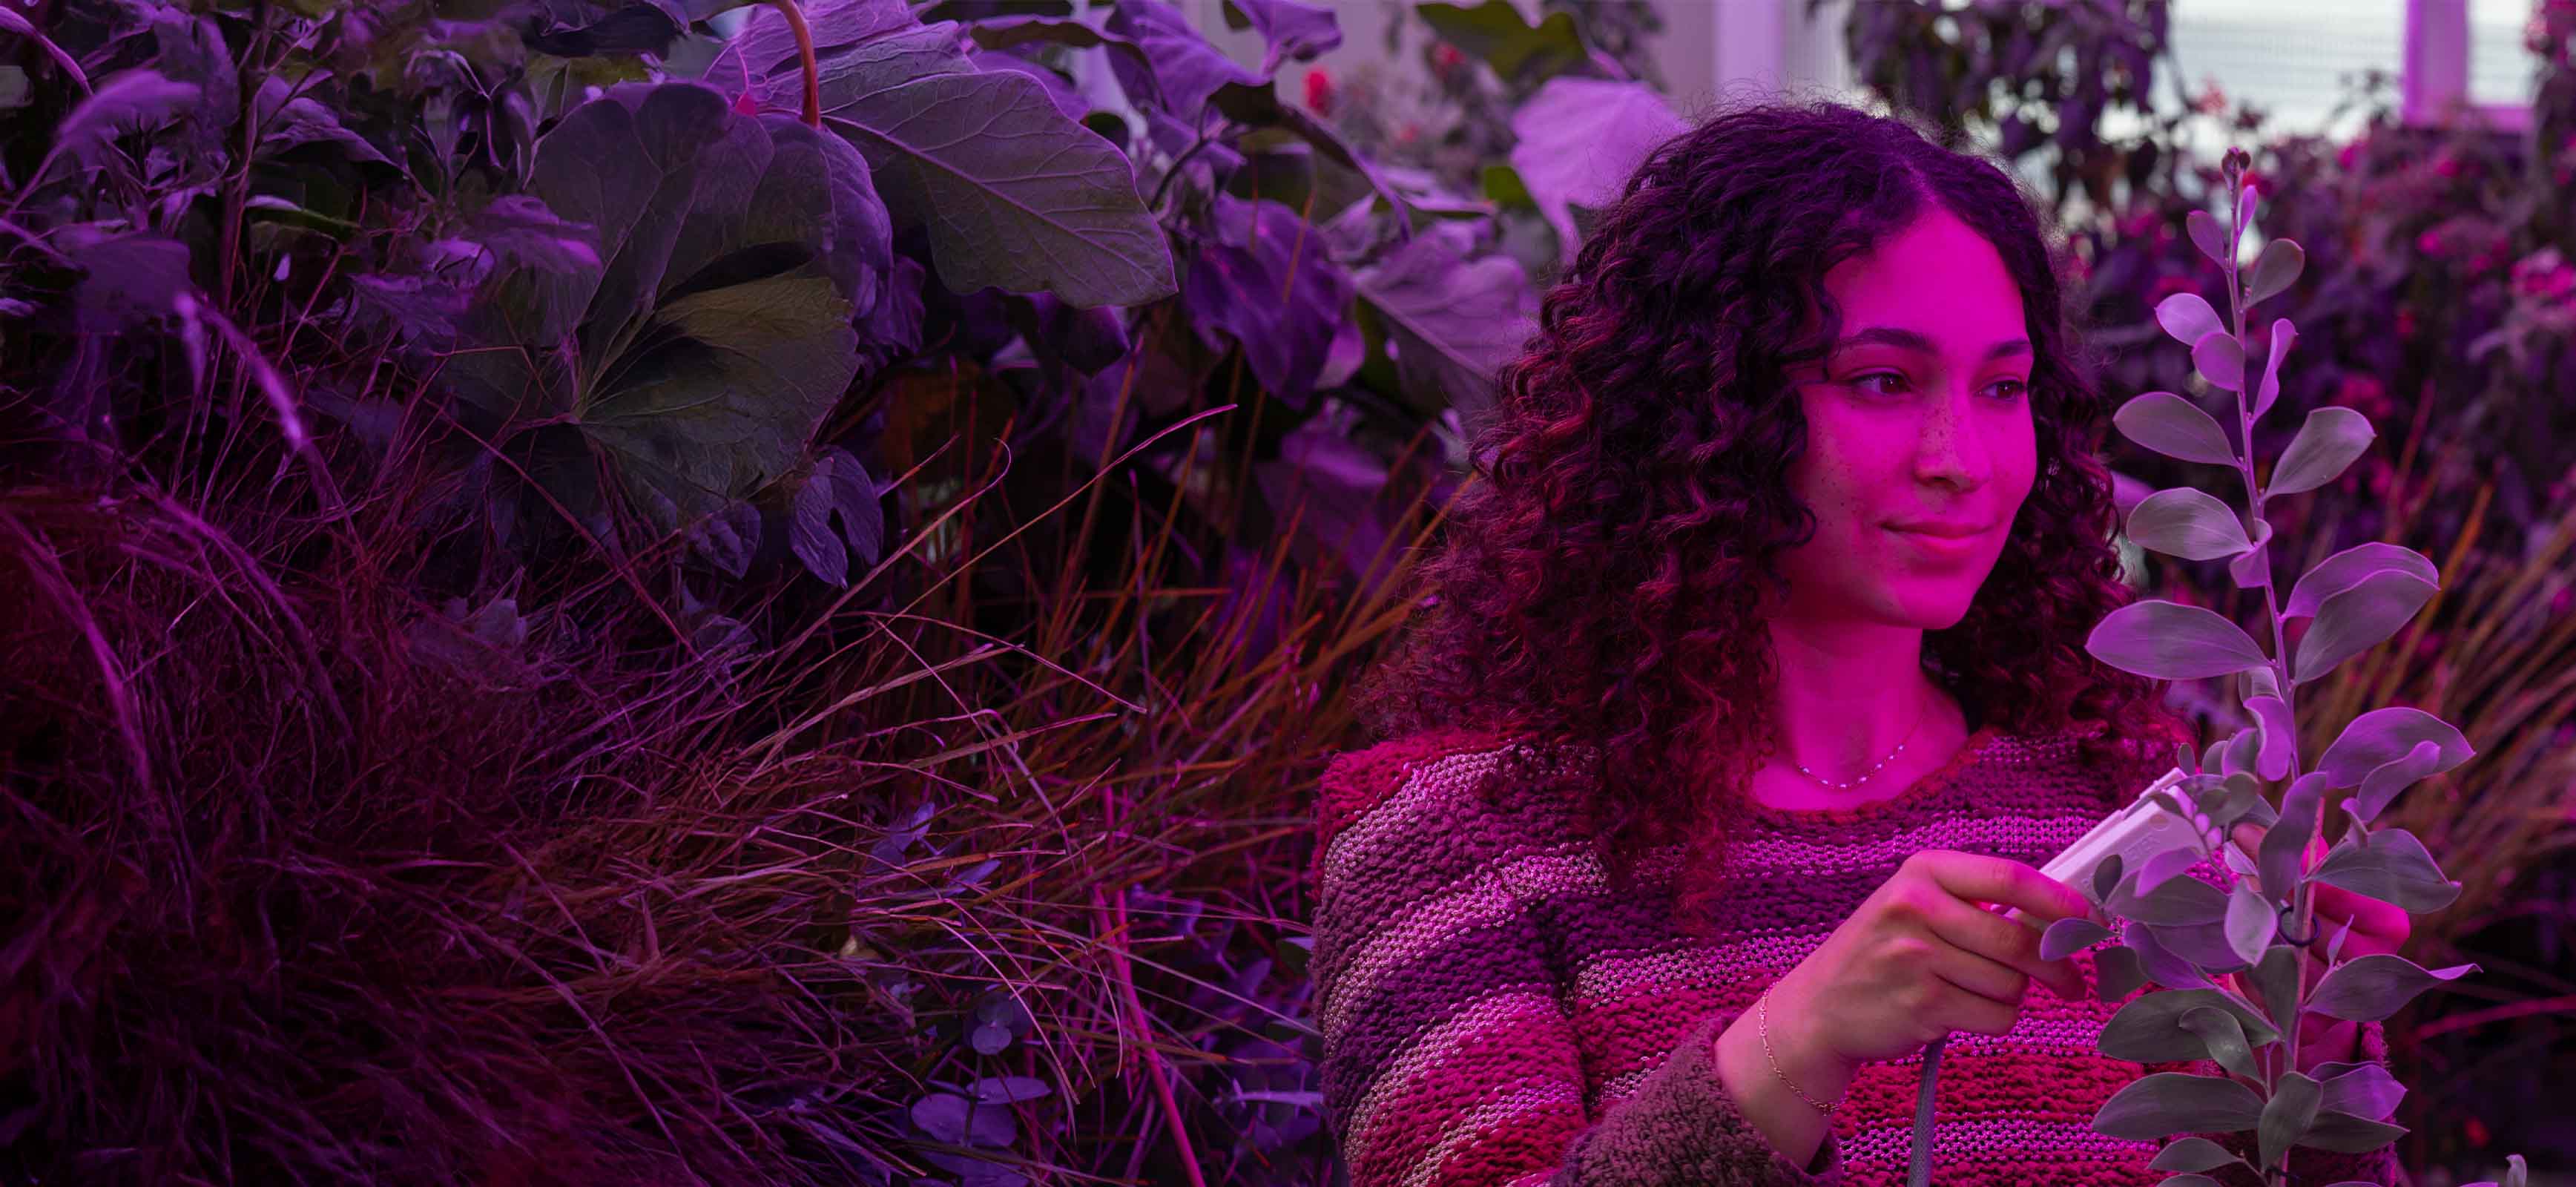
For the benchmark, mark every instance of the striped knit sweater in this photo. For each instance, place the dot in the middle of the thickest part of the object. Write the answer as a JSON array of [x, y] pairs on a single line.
[[1493, 1014]]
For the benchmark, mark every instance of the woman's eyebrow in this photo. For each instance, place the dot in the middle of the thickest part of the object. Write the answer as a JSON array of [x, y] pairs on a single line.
[[1907, 339]]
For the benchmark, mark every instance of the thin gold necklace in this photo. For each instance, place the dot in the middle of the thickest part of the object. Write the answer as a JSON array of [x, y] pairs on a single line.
[[1891, 756]]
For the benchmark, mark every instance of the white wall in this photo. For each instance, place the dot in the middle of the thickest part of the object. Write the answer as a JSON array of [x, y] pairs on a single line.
[[1708, 48]]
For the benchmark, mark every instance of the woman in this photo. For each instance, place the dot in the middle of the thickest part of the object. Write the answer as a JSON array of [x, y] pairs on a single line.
[[1751, 671]]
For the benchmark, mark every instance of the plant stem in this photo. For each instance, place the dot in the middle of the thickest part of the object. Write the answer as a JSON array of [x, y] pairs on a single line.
[[2302, 897], [805, 56]]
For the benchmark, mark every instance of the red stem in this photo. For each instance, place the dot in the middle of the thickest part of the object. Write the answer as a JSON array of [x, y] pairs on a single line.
[[805, 54]]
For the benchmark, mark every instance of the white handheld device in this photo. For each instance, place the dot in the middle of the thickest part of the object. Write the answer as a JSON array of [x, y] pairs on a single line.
[[2136, 833]]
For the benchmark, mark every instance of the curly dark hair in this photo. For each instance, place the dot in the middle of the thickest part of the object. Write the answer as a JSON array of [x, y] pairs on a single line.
[[1598, 580]]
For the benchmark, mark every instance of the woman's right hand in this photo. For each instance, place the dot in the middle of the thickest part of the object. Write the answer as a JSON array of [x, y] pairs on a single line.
[[1921, 958]]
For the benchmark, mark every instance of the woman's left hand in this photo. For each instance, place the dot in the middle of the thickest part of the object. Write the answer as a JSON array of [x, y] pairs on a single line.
[[2377, 928]]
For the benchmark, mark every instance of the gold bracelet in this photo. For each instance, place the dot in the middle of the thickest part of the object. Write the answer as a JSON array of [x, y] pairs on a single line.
[[1762, 1013]]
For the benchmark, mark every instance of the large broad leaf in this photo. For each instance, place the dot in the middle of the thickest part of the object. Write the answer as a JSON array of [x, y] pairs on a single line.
[[2187, 522], [1265, 281], [701, 357], [2149, 1030], [1185, 70], [2390, 865], [2170, 641], [2327, 442], [1580, 138], [2382, 736], [2351, 567], [1289, 29], [1450, 320], [1496, 32], [1013, 194], [2357, 619], [2169, 1103], [2174, 426], [2373, 987]]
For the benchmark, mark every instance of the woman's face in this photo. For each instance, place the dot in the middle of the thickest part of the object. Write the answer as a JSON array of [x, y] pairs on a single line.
[[1920, 413]]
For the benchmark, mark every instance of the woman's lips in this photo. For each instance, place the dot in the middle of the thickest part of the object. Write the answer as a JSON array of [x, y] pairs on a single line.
[[1945, 547]]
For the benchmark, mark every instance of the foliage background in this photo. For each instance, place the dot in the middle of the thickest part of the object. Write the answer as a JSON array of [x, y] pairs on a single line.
[[567, 635]]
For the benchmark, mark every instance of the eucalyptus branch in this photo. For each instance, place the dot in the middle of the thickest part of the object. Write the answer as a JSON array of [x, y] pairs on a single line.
[[2266, 924]]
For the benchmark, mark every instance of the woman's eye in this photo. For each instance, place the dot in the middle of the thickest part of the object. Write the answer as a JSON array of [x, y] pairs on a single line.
[[2018, 389]]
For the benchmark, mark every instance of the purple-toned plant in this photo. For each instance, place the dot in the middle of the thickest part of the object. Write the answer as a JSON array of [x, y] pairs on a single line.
[[2184, 933]]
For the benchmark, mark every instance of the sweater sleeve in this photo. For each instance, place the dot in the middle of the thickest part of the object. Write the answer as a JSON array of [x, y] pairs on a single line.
[[1448, 1055]]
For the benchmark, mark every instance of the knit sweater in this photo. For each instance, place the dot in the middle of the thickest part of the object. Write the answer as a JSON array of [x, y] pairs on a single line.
[[1494, 1013]]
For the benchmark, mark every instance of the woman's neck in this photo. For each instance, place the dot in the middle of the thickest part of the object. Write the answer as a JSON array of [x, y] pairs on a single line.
[[1946, 726]]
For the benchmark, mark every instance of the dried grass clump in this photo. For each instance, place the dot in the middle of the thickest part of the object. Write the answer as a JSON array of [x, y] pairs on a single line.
[[305, 883]]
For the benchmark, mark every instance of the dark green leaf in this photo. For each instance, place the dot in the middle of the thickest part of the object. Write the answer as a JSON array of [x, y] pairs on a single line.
[[2117, 973], [2376, 986], [2396, 775], [2277, 268], [2192, 1155], [2212, 239], [2187, 522], [2364, 1090], [2285, 844], [2287, 1115], [1496, 32], [2150, 1030], [2283, 335], [2188, 318], [2220, 359], [2356, 619], [2327, 442], [2174, 426], [2276, 979], [838, 488], [2251, 920], [2382, 736], [2169, 1103], [2174, 901], [2070, 935], [2167, 640], [2346, 1134], [2106, 876], [2218, 1031], [2393, 867], [719, 331]]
